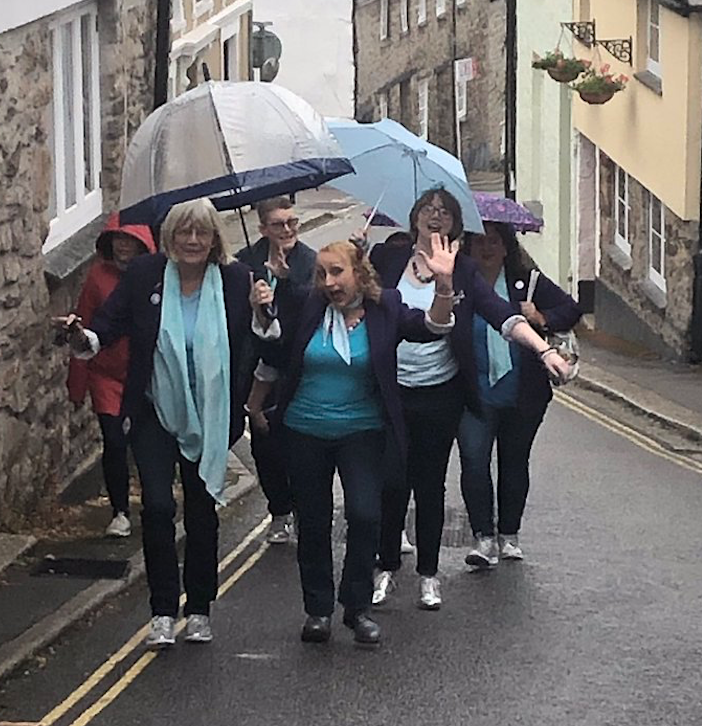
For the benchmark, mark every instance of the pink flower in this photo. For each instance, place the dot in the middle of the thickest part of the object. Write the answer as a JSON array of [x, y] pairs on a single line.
[[586, 63], [605, 68]]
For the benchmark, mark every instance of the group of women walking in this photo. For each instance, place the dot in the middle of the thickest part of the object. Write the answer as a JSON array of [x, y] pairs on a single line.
[[378, 368]]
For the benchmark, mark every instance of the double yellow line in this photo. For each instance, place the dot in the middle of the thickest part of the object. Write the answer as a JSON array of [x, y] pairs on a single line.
[[136, 640]]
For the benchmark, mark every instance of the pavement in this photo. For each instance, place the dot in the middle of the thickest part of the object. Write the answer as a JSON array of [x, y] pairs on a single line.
[[38, 609]]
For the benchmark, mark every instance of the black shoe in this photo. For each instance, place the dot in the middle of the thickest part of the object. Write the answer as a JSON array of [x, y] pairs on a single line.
[[365, 630], [317, 629]]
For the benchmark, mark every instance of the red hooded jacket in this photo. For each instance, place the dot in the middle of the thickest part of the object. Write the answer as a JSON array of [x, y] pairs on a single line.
[[105, 374]]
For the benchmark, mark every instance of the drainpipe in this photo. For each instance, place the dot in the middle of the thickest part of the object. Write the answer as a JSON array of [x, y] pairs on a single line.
[[696, 323], [163, 49], [510, 98]]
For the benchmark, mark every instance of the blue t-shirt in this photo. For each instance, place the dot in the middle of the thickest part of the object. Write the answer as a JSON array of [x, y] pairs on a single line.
[[189, 305], [333, 399], [504, 393]]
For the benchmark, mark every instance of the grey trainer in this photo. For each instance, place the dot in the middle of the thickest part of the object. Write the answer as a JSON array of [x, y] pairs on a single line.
[[483, 554], [198, 629], [161, 632]]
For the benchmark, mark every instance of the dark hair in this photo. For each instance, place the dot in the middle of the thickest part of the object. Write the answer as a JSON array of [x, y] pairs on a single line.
[[516, 263], [104, 244], [399, 239], [267, 206], [449, 201]]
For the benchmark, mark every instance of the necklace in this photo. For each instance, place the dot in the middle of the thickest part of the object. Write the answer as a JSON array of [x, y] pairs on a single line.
[[422, 278]]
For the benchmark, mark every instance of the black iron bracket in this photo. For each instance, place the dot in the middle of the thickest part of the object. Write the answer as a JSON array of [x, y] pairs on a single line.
[[585, 31], [620, 48]]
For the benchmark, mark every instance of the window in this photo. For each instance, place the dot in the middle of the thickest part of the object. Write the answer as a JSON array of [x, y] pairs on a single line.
[[461, 94], [621, 211], [383, 105], [177, 16], [656, 241], [423, 108], [460, 3], [440, 8], [76, 197], [200, 7], [404, 16], [653, 56], [384, 19], [421, 12]]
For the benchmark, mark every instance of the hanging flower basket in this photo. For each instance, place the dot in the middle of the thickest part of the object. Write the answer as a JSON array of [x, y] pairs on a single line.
[[560, 68], [598, 87]]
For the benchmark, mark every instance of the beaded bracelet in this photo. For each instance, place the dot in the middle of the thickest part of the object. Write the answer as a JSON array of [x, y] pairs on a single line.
[[544, 353]]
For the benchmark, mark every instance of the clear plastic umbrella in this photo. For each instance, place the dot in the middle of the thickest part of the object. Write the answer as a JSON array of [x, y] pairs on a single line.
[[235, 142]]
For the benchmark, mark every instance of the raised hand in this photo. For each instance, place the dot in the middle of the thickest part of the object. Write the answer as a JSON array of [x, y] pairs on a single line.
[[278, 263], [261, 293], [443, 257]]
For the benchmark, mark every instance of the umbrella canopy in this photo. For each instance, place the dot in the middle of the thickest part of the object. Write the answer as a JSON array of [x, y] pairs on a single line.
[[395, 166], [494, 208], [235, 142]]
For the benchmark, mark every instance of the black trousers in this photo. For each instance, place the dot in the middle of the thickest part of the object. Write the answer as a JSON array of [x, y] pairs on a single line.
[[514, 431], [432, 415], [156, 453], [268, 453], [311, 464], [115, 469]]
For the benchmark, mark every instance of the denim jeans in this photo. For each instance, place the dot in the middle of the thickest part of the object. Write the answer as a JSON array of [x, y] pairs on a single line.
[[115, 470], [268, 453], [311, 465], [514, 431], [156, 453]]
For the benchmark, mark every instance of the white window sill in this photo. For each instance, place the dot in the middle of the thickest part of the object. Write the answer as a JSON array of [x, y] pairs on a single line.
[[654, 293], [71, 254], [202, 7], [620, 257]]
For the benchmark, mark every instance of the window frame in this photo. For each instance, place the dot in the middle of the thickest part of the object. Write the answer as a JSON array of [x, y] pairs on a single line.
[[404, 16], [88, 203], [200, 7], [622, 242], [383, 105], [384, 19], [653, 65], [423, 108], [421, 12], [656, 277], [440, 8]]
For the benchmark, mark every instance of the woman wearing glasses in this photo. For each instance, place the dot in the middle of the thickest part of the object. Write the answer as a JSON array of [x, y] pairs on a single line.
[[437, 380]]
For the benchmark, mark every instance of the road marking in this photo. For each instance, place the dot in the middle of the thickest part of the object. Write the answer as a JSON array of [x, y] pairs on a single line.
[[641, 440], [135, 641]]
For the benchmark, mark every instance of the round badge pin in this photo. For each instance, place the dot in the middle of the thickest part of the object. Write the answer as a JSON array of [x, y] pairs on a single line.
[[519, 284], [155, 299]]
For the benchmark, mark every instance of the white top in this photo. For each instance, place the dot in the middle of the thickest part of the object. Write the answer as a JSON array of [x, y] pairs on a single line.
[[423, 364]]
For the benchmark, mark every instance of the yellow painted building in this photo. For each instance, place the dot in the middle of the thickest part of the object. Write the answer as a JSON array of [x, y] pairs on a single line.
[[214, 32], [639, 171]]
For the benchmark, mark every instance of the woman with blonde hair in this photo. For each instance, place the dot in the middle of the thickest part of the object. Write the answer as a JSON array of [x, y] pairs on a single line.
[[185, 312], [339, 397]]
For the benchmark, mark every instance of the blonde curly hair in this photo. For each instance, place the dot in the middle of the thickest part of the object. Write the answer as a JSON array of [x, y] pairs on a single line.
[[366, 276]]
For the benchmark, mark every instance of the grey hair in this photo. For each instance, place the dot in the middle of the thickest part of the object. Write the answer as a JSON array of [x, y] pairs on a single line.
[[199, 212]]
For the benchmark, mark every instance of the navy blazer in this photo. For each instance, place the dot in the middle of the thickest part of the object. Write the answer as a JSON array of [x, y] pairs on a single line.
[[134, 310], [390, 263], [388, 322]]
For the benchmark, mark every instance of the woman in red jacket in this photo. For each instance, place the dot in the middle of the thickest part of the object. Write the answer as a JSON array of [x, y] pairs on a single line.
[[105, 374]]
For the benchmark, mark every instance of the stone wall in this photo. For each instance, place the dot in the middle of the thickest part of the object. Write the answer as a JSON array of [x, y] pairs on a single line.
[[627, 304], [44, 443]]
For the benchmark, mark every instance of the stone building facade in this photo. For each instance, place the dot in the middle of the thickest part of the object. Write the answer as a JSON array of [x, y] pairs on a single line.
[[67, 118], [405, 52]]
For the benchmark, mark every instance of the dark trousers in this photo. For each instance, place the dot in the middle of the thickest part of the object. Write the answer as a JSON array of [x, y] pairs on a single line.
[[156, 453], [115, 469], [311, 465], [515, 431], [432, 414], [268, 453]]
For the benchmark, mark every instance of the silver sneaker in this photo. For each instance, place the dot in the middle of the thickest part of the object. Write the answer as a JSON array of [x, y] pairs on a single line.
[[383, 585], [510, 548], [198, 629], [406, 547], [280, 530], [161, 633], [429, 593], [483, 553], [120, 526]]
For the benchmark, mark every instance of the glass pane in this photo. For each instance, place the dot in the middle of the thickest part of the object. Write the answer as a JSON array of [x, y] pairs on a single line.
[[621, 219], [621, 183], [69, 149], [51, 140], [656, 216], [86, 24], [655, 12], [653, 45], [657, 253]]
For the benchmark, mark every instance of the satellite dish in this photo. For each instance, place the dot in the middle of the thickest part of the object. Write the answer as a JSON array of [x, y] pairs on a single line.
[[269, 69]]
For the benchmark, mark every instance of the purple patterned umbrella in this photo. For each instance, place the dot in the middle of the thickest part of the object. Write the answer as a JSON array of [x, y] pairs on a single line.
[[494, 208]]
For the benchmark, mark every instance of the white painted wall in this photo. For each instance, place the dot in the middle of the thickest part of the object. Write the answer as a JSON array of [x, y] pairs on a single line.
[[317, 59], [546, 140]]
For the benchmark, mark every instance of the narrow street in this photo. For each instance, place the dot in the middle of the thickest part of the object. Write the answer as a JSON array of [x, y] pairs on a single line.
[[597, 626]]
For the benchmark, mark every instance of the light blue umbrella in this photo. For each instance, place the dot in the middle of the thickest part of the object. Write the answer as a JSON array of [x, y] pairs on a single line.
[[394, 167]]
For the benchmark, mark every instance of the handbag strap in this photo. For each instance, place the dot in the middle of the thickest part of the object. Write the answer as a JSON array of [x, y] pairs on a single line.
[[533, 279]]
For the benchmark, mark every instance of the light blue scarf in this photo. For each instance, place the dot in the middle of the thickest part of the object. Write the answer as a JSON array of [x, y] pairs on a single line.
[[200, 423], [499, 358]]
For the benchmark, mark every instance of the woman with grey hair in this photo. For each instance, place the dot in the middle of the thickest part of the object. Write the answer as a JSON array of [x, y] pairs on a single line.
[[186, 313]]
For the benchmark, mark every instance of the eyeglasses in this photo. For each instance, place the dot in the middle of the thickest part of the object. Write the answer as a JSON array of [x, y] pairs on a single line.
[[291, 224], [200, 232], [429, 210]]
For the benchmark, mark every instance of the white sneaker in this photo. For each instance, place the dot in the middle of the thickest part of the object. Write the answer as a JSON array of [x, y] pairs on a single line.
[[383, 585], [510, 548], [198, 629], [406, 547], [483, 553], [120, 526], [280, 530], [162, 632], [429, 593]]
